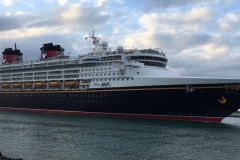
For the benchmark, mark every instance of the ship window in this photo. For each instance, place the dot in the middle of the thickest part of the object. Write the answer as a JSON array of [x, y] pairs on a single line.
[[105, 79], [109, 74], [137, 72], [105, 68], [123, 79], [127, 78], [109, 68], [113, 73]]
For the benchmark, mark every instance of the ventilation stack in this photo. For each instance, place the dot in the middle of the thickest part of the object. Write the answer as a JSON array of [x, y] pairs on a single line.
[[50, 51], [10, 56]]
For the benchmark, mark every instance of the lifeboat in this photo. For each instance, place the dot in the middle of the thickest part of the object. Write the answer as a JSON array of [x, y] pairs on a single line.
[[70, 84], [6, 85], [17, 85], [55, 84], [28, 84], [40, 84]]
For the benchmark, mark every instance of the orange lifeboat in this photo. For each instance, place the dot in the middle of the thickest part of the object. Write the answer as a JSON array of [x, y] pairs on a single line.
[[55, 84], [6, 85], [72, 84], [40, 84], [28, 84], [17, 85]]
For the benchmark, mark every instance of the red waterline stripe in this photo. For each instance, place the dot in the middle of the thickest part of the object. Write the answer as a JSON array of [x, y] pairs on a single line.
[[148, 116]]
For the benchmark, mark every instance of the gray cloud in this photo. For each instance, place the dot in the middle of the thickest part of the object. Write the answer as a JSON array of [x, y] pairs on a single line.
[[76, 17], [174, 44], [158, 4]]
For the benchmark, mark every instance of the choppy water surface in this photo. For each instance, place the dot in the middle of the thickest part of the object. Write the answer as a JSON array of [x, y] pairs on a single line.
[[37, 136]]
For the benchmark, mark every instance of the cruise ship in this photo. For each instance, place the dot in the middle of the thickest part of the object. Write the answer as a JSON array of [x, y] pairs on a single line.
[[120, 83]]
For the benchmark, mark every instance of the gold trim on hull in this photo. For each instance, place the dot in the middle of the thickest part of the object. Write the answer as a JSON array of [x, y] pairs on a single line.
[[233, 87], [114, 90]]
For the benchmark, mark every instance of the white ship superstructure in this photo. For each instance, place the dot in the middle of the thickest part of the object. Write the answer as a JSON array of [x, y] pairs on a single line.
[[100, 68]]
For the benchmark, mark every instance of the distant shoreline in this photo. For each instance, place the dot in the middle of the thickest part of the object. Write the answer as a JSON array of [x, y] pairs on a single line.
[[235, 114]]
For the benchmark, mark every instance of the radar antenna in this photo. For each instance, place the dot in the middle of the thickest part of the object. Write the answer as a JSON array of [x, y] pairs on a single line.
[[96, 41]]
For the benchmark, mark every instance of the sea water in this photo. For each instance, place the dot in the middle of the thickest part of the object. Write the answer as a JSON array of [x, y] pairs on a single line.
[[39, 136]]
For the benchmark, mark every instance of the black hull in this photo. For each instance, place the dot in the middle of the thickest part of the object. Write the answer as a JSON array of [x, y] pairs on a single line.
[[205, 103]]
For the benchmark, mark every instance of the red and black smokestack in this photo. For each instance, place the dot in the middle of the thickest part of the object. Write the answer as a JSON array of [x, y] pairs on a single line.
[[49, 51], [10, 56]]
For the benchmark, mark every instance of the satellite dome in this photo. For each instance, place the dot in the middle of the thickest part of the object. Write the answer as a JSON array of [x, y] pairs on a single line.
[[119, 48], [104, 44]]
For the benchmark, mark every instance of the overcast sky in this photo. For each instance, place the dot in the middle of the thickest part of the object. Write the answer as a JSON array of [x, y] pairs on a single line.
[[199, 37]]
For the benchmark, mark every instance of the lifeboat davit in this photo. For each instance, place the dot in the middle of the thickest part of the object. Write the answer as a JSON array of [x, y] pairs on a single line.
[[70, 84], [40, 84], [6, 85], [17, 85], [28, 84], [55, 84]]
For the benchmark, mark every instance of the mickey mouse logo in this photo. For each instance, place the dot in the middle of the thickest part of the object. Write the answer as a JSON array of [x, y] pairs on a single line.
[[45, 55], [5, 60]]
